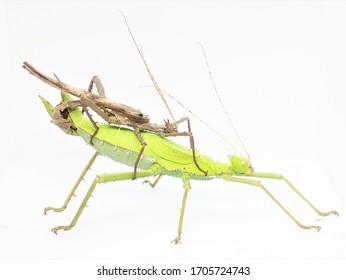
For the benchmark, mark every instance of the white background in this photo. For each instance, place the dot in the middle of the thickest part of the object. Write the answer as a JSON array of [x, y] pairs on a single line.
[[280, 69]]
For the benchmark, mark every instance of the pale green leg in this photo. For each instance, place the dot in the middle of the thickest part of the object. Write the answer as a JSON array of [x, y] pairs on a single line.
[[103, 178], [281, 177], [154, 183], [72, 192], [187, 187], [259, 184]]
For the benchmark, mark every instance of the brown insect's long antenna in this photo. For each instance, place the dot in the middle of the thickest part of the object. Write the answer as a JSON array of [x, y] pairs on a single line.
[[148, 70], [202, 121], [221, 103]]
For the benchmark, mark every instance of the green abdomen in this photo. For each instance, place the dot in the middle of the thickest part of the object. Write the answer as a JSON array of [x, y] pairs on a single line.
[[116, 152]]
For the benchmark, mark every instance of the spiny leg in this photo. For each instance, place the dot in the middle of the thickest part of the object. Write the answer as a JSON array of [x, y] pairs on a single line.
[[192, 141], [154, 183], [281, 177], [144, 144], [72, 192], [187, 187], [259, 184], [103, 178]]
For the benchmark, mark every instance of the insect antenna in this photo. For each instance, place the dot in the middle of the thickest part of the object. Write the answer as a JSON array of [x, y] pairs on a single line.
[[221, 103], [202, 121], [148, 70]]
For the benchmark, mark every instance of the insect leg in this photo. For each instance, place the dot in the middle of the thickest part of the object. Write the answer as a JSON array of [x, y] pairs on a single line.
[[281, 177], [144, 144], [72, 192], [99, 87], [155, 182], [86, 102], [85, 109], [192, 140], [187, 187], [102, 178], [192, 143], [259, 184]]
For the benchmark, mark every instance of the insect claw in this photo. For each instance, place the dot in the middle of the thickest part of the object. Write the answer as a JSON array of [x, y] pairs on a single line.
[[56, 229], [60, 209], [45, 210], [318, 228], [152, 185], [329, 213], [177, 239]]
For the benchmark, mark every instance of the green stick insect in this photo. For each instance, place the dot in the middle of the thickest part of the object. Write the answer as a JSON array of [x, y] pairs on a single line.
[[160, 158]]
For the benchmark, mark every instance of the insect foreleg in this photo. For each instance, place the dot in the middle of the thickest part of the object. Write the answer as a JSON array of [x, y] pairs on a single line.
[[85, 103], [72, 192], [85, 109], [103, 178], [259, 184], [281, 177], [187, 187]]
